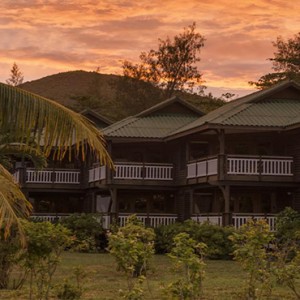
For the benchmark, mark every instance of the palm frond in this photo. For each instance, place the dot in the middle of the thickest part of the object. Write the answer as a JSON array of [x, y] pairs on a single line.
[[13, 203], [25, 115], [36, 156]]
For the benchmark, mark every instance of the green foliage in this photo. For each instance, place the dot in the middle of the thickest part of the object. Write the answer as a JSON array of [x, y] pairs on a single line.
[[133, 247], [215, 237], [86, 228], [286, 270], [286, 63], [10, 257], [173, 66], [288, 224], [250, 249], [136, 291], [45, 243], [69, 290], [187, 258]]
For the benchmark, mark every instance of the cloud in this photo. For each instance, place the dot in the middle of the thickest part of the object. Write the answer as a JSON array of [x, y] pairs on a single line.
[[54, 35]]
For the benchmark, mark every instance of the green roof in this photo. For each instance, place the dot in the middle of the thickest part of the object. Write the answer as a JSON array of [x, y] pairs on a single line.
[[274, 107], [155, 126], [156, 122]]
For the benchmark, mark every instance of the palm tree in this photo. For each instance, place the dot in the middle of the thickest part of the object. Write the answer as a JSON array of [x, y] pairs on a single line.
[[27, 117]]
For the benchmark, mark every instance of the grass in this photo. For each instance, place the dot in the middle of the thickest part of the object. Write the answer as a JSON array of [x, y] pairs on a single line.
[[224, 279]]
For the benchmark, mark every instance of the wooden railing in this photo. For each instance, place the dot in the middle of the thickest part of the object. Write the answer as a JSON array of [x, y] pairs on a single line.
[[155, 220], [59, 176], [53, 218], [263, 165], [202, 168], [97, 173], [241, 219], [242, 165], [146, 171], [213, 219], [52, 176], [47, 217], [150, 220]]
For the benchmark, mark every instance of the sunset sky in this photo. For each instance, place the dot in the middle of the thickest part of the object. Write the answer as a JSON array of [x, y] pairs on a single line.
[[45, 37]]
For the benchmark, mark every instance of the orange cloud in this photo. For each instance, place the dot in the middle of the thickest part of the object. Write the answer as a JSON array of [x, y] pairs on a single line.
[[46, 37]]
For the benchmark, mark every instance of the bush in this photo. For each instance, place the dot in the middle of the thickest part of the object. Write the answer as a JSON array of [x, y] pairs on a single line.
[[215, 237], [133, 247], [89, 233], [288, 225], [187, 259], [45, 244], [10, 256]]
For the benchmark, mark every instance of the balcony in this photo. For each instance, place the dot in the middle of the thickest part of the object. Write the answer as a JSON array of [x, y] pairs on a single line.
[[134, 171], [234, 165], [238, 219], [48, 176]]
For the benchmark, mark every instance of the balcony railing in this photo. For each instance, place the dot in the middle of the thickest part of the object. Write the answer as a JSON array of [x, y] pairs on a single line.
[[97, 173], [238, 220], [146, 171], [242, 165], [134, 171], [241, 219], [58, 176], [151, 220]]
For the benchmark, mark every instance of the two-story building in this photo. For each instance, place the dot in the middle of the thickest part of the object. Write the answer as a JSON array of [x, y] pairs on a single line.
[[172, 162]]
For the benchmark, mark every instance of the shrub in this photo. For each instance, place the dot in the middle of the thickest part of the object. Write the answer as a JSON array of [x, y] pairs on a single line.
[[88, 230], [45, 243], [250, 249], [187, 258], [215, 237], [133, 247], [10, 257], [69, 290], [288, 224]]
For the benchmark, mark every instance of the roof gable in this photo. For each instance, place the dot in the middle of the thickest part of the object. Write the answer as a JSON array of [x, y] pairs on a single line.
[[278, 106], [156, 122], [174, 105], [99, 120]]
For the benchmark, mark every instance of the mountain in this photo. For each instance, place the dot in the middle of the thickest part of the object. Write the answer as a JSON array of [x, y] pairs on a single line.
[[112, 96]]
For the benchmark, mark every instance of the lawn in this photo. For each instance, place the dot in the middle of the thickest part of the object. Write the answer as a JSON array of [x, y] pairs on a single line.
[[224, 279]]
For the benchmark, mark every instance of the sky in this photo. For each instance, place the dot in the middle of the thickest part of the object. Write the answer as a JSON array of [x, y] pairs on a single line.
[[46, 37]]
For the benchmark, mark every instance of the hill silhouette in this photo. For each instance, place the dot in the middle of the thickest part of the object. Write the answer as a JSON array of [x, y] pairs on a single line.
[[112, 96]]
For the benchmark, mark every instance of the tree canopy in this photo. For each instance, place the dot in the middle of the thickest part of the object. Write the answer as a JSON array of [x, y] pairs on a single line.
[[286, 63], [172, 66]]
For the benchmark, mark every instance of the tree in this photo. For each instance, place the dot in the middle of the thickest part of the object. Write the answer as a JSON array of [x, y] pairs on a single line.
[[16, 76], [286, 63], [171, 67], [28, 117]]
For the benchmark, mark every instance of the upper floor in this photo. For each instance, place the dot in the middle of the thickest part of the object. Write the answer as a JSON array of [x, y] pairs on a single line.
[[249, 140]]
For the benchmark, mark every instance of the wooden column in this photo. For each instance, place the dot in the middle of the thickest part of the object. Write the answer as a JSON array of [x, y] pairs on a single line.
[[227, 216], [109, 171], [114, 205], [222, 155]]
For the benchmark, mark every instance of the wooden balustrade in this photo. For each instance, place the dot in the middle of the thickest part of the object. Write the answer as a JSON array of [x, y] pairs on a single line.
[[243, 165], [97, 173], [143, 171], [151, 220], [239, 220], [52, 176]]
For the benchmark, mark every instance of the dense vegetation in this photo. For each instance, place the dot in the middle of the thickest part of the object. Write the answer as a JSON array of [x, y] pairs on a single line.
[[269, 262], [112, 96]]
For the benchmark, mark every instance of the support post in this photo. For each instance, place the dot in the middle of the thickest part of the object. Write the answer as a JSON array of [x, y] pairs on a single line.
[[227, 215]]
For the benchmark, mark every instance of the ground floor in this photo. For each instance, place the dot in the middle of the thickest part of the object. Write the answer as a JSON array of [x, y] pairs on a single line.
[[163, 206]]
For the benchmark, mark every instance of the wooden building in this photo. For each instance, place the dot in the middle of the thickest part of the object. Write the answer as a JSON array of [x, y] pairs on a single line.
[[172, 162]]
